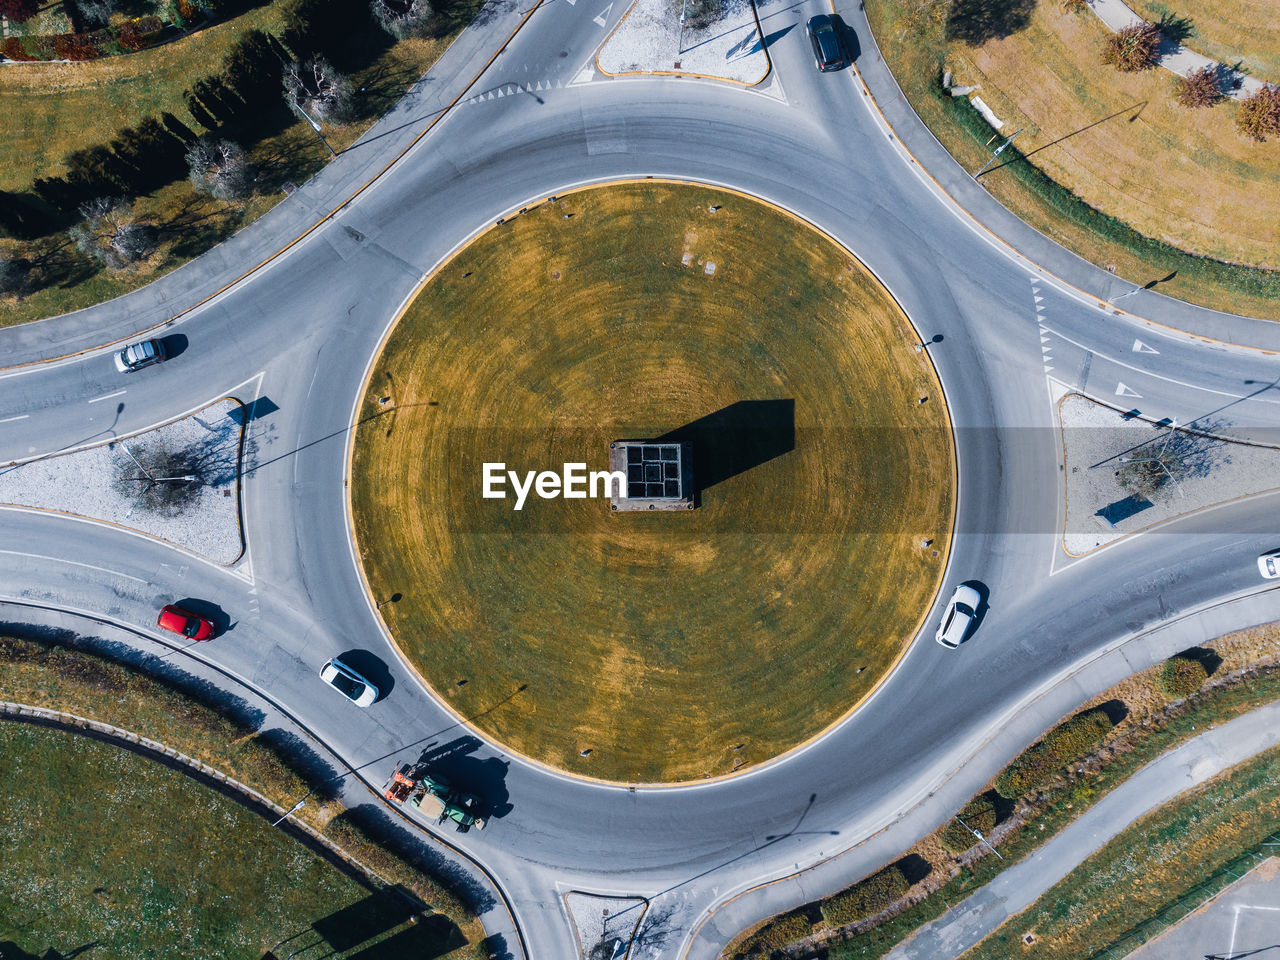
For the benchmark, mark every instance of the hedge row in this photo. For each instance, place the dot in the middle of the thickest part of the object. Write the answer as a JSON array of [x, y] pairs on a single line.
[[866, 898], [778, 933], [980, 815], [132, 35], [1040, 763], [1181, 675]]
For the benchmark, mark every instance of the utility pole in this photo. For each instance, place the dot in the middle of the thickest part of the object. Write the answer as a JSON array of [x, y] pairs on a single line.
[[999, 150]]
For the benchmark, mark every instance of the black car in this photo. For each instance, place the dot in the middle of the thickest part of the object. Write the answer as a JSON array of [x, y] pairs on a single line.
[[828, 47]]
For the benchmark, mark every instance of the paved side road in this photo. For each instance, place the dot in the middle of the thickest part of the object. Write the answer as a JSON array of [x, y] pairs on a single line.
[[1153, 786]]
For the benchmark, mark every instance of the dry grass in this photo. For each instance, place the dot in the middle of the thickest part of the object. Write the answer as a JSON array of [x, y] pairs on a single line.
[[1186, 178], [1229, 31], [918, 59], [659, 642], [106, 848]]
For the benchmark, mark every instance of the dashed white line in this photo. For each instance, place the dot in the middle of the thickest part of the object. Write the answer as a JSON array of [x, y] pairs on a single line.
[[108, 396], [21, 416]]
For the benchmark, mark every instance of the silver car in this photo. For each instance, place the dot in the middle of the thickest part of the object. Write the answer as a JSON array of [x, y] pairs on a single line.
[[138, 355], [962, 608], [349, 683], [1269, 564]]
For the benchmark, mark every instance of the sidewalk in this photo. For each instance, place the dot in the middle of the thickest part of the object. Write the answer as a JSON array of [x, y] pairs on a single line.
[[1040, 253], [1020, 885], [161, 299]]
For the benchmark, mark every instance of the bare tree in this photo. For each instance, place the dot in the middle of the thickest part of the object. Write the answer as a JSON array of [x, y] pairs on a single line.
[[1199, 88], [220, 168], [1132, 48], [1258, 116], [111, 234], [97, 12], [1150, 469], [158, 478], [314, 87], [403, 18]]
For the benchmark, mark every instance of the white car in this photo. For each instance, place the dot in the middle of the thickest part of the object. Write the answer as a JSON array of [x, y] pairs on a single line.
[[1269, 564], [141, 354], [349, 683], [962, 608]]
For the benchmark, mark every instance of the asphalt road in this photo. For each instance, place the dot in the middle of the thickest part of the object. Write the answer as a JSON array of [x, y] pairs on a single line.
[[300, 333]]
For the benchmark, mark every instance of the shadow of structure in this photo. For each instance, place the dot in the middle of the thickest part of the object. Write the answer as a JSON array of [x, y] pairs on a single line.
[[736, 438]]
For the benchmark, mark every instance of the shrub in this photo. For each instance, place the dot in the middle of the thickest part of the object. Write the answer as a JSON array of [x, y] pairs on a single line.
[[14, 50], [19, 10], [140, 33], [77, 46], [1133, 48], [1075, 6], [1041, 762], [980, 814], [1199, 88], [866, 898], [1259, 115], [777, 934], [1181, 676]]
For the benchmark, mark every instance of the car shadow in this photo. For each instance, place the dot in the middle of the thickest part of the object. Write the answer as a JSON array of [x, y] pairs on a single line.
[[483, 777], [175, 345], [984, 592], [849, 37], [373, 668], [220, 619]]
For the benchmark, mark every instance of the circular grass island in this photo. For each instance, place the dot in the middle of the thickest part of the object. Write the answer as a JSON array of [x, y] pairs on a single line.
[[658, 645]]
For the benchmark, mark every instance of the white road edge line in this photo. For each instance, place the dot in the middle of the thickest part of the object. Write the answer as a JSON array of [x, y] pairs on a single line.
[[21, 416], [74, 563], [108, 396]]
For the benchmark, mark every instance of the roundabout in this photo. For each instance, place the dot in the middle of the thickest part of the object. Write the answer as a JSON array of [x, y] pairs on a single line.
[[676, 645]]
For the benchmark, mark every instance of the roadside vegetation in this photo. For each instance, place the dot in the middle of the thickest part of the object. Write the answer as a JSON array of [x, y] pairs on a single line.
[[110, 851], [620, 645], [1239, 32], [187, 142], [1108, 163], [1165, 856], [1041, 791], [62, 673]]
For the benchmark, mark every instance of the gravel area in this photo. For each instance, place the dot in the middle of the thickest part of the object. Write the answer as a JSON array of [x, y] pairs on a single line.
[[604, 920], [1100, 510], [100, 483], [649, 40]]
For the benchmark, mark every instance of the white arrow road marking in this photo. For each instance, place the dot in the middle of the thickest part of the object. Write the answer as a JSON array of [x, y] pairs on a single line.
[[604, 13], [1123, 391], [1140, 347]]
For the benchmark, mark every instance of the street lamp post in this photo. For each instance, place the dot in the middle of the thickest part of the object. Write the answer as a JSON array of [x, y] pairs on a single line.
[[680, 45], [981, 838], [315, 125], [297, 806]]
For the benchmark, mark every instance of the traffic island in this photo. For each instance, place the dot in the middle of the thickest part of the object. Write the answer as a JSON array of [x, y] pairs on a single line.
[[652, 645]]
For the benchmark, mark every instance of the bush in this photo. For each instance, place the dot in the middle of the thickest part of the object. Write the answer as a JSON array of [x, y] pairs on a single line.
[[14, 50], [19, 11], [78, 46], [1041, 762], [777, 934], [866, 898], [1259, 115], [140, 33], [980, 814], [1181, 676], [1076, 6], [1133, 48], [1199, 88]]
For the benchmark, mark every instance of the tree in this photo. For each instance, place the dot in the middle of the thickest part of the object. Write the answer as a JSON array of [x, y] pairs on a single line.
[[110, 234], [219, 168], [1199, 88], [402, 18], [1132, 48], [162, 479], [314, 87], [1259, 114], [97, 12], [19, 10]]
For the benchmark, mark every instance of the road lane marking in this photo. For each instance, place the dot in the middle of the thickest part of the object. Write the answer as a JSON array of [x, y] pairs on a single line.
[[76, 563], [21, 416], [603, 14], [1123, 391], [108, 396], [1140, 347]]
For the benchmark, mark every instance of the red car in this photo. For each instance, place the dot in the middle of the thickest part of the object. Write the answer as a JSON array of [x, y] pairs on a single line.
[[184, 623]]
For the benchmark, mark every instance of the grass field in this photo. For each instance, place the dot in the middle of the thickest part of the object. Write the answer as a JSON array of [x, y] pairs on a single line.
[[1162, 194], [51, 110], [1246, 32], [110, 853], [1141, 871], [676, 645]]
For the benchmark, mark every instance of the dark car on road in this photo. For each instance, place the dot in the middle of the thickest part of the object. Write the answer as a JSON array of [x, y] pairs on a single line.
[[141, 354], [828, 46], [185, 623]]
